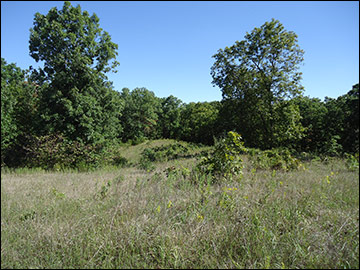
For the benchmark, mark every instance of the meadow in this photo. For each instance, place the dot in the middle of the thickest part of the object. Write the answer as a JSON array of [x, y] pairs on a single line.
[[165, 215]]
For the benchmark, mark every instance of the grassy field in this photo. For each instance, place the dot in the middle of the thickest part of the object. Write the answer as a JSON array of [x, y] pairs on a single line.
[[133, 218]]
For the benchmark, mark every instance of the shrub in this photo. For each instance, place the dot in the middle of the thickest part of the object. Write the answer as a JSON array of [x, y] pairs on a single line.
[[275, 159], [146, 165], [137, 140], [111, 155], [225, 160], [352, 161], [57, 152], [148, 154], [164, 153]]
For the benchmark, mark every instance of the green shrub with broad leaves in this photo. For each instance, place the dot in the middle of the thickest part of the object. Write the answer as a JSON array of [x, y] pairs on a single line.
[[111, 155], [274, 159], [58, 152], [161, 154], [146, 164], [225, 160], [165, 152]]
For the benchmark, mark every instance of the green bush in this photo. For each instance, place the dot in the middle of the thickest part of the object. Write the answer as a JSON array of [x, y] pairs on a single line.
[[146, 165], [352, 161], [275, 159], [137, 140], [57, 152], [165, 153], [225, 160], [111, 155], [148, 154], [162, 154]]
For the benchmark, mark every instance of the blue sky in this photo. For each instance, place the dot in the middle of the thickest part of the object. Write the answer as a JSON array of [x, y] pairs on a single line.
[[167, 46]]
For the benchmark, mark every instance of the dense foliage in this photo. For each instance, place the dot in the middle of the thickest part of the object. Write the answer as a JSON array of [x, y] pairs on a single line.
[[199, 122], [78, 100], [140, 117], [225, 160], [67, 113], [257, 76]]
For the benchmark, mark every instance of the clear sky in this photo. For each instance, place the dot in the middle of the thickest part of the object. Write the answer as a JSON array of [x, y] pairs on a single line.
[[167, 46]]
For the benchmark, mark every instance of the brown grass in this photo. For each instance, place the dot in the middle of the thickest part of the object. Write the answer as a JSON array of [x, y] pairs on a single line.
[[300, 219]]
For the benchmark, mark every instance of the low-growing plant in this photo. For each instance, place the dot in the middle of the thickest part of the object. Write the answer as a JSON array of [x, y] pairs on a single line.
[[112, 156], [57, 194], [352, 161], [206, 194], [148, 154], [171, 171], [146, 165], [269, 219], [104, 190], [226, 200], [56, 152], [161, 154], [29, 215], [137, 140], [118, 179]]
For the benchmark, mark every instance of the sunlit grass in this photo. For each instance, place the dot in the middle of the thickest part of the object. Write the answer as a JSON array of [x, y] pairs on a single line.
[[130, 218]]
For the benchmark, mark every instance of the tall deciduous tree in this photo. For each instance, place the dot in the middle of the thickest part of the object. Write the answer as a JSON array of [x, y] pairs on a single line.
[[77, 54], [350, 137], [19, 113], [169, 119], [342, 121], [11, 79], [140, 115], [257, 75]]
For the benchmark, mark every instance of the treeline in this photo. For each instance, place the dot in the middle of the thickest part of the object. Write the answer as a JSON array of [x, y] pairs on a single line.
[[38, 118], [30, 121], [68, 112]]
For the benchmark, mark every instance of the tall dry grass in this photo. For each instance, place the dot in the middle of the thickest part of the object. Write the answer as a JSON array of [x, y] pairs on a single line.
[[129, 218]]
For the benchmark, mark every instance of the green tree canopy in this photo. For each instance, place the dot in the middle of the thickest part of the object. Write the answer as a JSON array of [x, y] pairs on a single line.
[[332, 125], [78, 101], [350, 138], [72, 45], [169, 119], [198, 122], [140, 114], [19, 112], [258, 74], [313, 112], [342, 121], [11, 78]]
